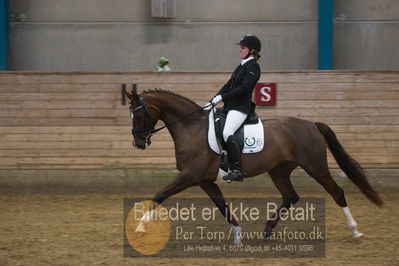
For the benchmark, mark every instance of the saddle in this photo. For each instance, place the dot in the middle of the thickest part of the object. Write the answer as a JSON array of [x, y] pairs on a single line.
[[220, 120], [249, 136]]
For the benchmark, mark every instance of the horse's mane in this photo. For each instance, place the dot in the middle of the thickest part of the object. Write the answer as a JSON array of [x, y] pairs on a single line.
[[160, 91]]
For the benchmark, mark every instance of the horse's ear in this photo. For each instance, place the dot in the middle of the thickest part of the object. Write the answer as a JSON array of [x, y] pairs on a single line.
[[125, 94], [134, 96]]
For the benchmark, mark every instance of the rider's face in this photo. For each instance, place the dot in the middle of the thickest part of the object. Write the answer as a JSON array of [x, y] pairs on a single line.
[[244, 51]]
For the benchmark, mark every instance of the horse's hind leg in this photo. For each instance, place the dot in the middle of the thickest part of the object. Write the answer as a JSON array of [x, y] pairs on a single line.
[[281, 179], [217, 197], [319, 171]]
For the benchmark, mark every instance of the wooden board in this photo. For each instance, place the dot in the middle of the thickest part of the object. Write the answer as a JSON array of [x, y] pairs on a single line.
[[74, 120]]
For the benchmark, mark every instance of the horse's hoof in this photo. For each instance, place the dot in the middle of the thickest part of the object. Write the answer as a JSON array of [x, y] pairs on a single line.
[[357, 236], [137, 235]]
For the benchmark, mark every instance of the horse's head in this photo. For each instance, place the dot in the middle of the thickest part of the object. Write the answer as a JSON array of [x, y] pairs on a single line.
[[144, 117]]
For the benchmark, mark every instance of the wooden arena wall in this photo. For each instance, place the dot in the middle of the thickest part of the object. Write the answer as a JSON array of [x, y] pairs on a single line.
[[74, 120]]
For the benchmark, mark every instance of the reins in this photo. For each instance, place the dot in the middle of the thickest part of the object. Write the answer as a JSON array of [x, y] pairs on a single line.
[[175, 121], [148, 118]]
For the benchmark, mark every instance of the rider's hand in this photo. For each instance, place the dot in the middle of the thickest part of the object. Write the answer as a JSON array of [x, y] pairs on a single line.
[[217, 99], [208, 106]]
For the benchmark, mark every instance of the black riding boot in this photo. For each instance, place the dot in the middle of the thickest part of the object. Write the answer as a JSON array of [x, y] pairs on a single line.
[[234, 154]]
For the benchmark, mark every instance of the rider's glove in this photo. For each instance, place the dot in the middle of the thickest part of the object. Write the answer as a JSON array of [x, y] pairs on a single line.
[[217, 99], [208, 106]]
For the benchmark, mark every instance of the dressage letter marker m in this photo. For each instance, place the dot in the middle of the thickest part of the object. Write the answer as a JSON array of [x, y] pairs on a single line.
[[265, 94]]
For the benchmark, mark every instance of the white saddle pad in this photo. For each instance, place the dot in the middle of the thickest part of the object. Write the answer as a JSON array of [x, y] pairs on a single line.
[[253, 137]]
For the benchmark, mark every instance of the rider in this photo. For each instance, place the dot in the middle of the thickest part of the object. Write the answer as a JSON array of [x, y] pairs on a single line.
[[236, 95]]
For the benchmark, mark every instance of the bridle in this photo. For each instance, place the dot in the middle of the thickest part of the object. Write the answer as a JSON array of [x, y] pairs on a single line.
[[149, 122]]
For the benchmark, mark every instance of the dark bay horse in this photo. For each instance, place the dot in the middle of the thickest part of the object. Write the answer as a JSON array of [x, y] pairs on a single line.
[[289, 143]]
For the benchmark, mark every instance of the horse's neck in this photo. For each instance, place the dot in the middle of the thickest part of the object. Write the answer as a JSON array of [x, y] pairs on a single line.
[[173, 109], [172, 113]]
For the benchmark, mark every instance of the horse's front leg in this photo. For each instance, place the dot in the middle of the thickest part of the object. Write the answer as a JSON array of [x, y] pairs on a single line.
[[217, 197], [181, 182]]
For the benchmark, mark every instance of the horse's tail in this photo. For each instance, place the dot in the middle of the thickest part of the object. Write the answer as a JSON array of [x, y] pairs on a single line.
[[350, 167]]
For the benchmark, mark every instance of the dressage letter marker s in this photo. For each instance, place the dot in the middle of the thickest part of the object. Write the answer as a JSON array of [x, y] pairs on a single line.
[[265, 94]]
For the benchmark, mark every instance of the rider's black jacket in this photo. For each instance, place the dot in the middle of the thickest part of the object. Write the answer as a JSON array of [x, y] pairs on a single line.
[[237, 92]]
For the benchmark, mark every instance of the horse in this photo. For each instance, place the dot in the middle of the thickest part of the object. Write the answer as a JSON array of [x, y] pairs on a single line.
[[289, 143]]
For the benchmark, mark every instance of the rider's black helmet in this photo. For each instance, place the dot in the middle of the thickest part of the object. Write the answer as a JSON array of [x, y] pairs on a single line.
[[252, 42]]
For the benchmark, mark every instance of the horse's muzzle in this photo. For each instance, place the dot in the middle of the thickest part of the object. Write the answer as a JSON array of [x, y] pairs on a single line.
[[138, 147], [142, 146]]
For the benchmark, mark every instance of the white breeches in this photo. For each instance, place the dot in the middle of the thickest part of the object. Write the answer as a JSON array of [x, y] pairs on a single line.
[[234, 120]]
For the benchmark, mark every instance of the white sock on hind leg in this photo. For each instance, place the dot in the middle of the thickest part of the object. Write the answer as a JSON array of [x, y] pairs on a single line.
[[351, 223]]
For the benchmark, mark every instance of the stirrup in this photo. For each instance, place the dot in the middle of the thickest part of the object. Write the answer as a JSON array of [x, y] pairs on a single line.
[[234, 175]]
